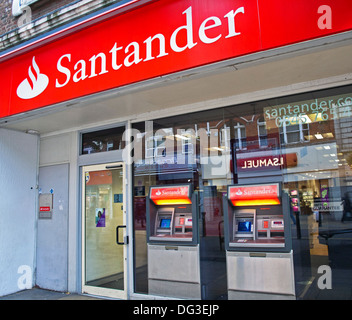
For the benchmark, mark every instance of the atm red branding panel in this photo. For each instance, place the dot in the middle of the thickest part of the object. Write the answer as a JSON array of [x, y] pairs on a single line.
[[44, 209], [170, 195], [157, 39], [252, 195]]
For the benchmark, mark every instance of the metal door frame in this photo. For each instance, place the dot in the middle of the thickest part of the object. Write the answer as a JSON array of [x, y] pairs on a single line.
[[106, 292]]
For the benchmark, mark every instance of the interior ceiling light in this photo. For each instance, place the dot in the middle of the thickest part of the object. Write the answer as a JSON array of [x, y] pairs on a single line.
[[319, 136], [304, 118], [315, 117], [328, 135], [182, 137], [32, 131]]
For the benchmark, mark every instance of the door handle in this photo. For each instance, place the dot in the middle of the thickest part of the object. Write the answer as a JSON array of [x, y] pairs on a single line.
[[125, 238]]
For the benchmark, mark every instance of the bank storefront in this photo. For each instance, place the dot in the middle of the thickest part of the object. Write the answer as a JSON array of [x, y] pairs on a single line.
[[195, 157]]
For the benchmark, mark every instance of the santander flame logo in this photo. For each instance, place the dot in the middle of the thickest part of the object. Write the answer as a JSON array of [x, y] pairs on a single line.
[[34, 85]]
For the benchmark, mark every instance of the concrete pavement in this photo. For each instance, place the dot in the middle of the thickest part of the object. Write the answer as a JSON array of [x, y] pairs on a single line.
[[42, 294]]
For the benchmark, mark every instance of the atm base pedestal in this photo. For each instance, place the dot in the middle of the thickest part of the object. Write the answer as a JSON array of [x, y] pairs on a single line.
[[174, 271], [263, 275], [184, 290], [241, 295]]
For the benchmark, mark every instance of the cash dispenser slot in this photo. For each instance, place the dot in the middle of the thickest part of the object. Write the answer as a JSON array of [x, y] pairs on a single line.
[[183, 223], [277, 234], [262, 234], [271, 227]]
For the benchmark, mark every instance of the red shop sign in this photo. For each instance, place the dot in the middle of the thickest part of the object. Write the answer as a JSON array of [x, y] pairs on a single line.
[[156, 39], [98, 177], [268, 162]]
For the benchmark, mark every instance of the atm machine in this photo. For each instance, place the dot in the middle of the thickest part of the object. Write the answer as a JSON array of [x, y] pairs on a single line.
[[173, 242], [259, 254]]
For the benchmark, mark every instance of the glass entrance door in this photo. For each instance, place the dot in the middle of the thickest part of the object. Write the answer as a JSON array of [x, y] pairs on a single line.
[[104, 230]]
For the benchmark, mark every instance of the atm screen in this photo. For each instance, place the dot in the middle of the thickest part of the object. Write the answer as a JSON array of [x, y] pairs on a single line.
[[165, 223], [244, 226]]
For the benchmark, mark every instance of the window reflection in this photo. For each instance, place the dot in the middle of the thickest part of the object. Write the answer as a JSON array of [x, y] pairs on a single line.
[[308, 151], [103, 140]]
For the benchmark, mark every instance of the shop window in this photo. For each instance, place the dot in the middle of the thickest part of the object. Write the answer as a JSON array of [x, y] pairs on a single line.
[[225, 138], [149, 147], [103, 140], [294, 133], [155, 146], [18, 6], [308, 154], [240, 136], [187, 145], [262, 133]]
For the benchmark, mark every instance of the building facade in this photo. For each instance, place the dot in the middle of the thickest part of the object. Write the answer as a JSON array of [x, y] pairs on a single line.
[[125, 126]]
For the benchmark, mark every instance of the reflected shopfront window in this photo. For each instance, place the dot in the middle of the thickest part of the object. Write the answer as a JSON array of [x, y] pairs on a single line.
[[103, 140], [302, 142]]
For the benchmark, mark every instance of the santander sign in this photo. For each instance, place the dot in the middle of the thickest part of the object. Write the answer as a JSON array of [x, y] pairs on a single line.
[[153, 47], [34, 85], [155, 39]]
